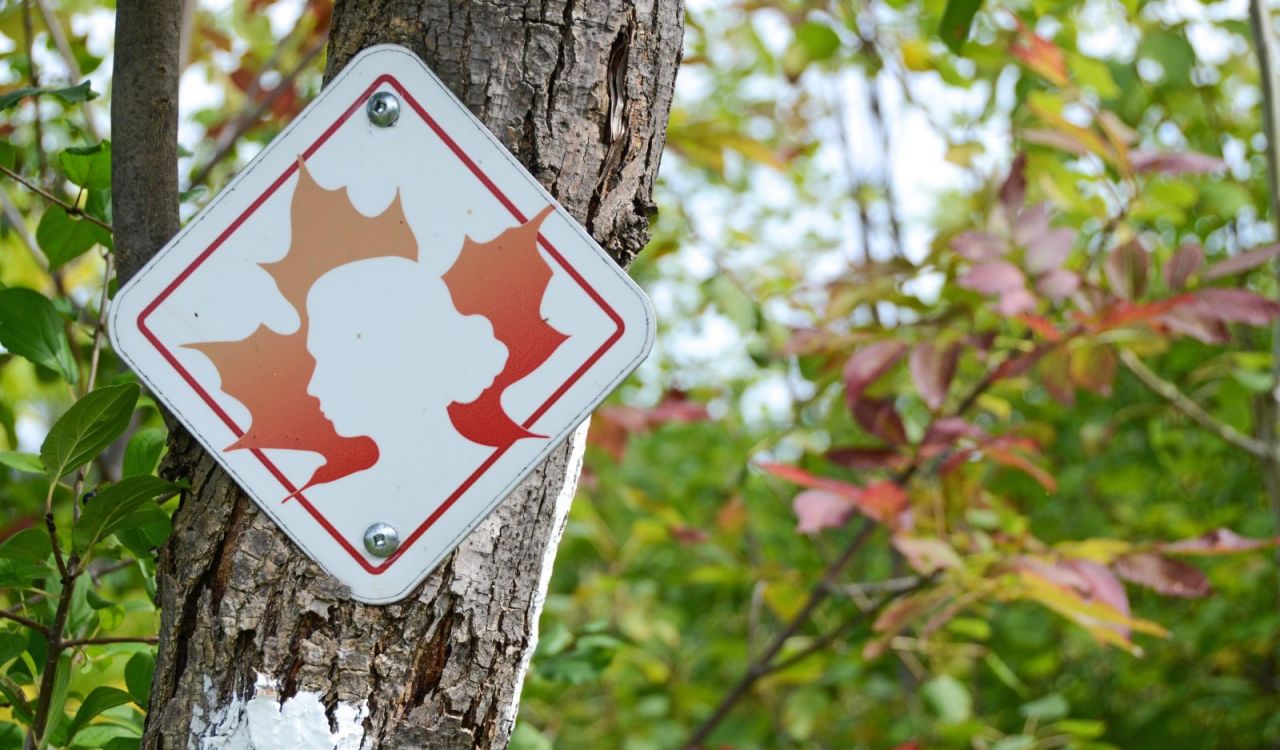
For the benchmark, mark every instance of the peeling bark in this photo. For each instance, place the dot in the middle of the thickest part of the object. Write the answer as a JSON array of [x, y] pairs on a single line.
[[579, 91]]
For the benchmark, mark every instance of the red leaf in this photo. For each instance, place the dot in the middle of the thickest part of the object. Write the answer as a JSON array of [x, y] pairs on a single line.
[[1055, 376], [867, 458], [1236, 306], [992, 277], [676, 407], [1058, 284], [883, 501], [1183, 263], [926, 555], [1014, 189], [867, 364], [1032, 222], [1217, 542], [1048, 250], [1017, 461], [947, 430], [1127, 268], [978, 246], [819, 509], [1173, 163], [1245, 261], [932, 370], [878, 417], [1163, 575], [1189, 321]]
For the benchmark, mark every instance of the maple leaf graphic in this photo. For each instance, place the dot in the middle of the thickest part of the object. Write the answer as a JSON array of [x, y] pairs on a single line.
[[269, 372], [503, 280]]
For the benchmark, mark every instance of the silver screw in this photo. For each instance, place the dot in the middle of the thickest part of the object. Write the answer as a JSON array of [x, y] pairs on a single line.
[[381, 540], [383, 109]]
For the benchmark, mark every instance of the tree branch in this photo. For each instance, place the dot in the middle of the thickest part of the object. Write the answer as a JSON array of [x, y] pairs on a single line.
[[21, 620], [75, 642], [71, 208], [1196, 413]]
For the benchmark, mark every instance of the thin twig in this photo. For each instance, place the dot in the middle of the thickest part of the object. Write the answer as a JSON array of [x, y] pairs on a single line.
[[21, 620], [34, 77], [70, 208], [1196, 413], [246, 122], [760, 666], [19, 225], [75, 642]]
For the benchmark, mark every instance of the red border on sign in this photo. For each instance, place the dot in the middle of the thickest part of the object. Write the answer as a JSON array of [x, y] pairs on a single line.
[[519, 217]]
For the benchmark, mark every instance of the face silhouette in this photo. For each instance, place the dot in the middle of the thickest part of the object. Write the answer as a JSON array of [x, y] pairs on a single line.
[[373, 325]]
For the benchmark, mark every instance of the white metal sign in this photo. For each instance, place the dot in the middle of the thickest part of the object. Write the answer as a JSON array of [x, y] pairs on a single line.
[[382, 325]]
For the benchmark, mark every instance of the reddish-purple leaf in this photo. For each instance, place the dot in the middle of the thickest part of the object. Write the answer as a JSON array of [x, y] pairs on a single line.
[[1236, 306], [1173, 163], [1032, 222], [1163, 575], [1127, 268], [1183, 263], [861, 459], [883, 501], [1058, 284], [867, 364], [1102, 586], [1217, 542], [947, 430], [978, 246], [992, 277], [818, 509], [1049, 250], [1015, 302], [878, 417], [1014, 188], [932, 369], [1188, 320], [1246, 261]]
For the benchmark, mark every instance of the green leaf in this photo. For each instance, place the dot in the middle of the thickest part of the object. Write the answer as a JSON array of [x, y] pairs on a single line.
[[948, 699], [30, 327], [956, 21], [137, 676], [142, 454], [123, 743], [128, 503], [25, 462], [12, 644], [1048, 708], [88, 166], [8, 155], [1015, 742], [89, 426], [819, 41], [29, 545], [64, 238], [146, 536], [99, 699], [68, 95]]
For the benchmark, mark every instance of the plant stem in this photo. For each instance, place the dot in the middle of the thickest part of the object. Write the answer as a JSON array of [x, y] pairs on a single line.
[[74, 642], [1196, 413], [25, 621], [70, 208]]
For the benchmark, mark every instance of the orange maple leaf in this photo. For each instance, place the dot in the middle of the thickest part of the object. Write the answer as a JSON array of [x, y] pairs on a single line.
[[269, 372], [503, 280]]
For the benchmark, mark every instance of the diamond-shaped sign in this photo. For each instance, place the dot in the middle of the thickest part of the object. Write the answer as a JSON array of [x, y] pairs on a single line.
[[382, 325]]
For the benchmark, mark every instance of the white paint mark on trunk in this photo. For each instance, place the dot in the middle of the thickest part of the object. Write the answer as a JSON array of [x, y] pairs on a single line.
[[264, 722]]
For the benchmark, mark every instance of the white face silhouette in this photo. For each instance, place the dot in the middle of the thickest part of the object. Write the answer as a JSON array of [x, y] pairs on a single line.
[[370, 322]]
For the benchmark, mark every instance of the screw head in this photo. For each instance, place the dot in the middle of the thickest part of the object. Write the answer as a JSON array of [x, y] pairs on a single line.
[[381, 540], [383, 109]]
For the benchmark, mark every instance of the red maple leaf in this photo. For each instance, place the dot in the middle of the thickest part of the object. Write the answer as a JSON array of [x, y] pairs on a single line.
[[503, 280]]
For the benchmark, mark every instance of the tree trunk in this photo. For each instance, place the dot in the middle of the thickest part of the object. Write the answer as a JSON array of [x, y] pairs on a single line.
[[259, 648]]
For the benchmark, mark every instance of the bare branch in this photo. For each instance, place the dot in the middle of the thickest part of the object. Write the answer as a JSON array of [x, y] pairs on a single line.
[[76, 642], [24, 621]]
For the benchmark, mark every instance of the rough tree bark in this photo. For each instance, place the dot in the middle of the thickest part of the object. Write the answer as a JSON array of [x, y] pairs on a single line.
[[258, 645]]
